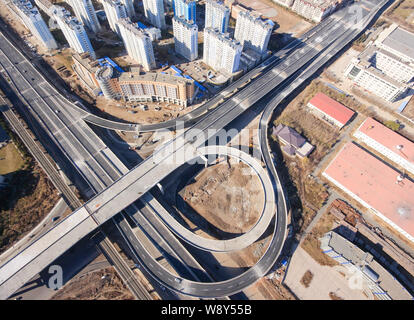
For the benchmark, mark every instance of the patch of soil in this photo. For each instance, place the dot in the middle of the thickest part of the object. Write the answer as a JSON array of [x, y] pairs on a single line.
[[307, 279], [100, 285], [228, 195]]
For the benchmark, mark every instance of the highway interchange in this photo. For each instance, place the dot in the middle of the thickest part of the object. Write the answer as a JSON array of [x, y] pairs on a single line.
[[117, 188]]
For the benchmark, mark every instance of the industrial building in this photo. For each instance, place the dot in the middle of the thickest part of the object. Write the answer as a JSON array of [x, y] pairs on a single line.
[[365, 75], [386, 68], [30, 17], [253, 32], [154, 12], [387, 142], [372, 275], [375, 185], [330, 110], [397, 41], [85, 12], [217, 16], [220, 52], [73, 31], [185, 38], [185, 9], [115, 10], [137, 43], [156, 87]]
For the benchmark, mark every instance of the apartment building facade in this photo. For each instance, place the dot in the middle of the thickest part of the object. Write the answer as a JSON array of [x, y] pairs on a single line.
[[253, 32], [186, 9], [30, 17], [137, 43], [217, 16], [154, 12], [315, 10], [114, 10], [185, 38], [220, 52], [85, 12], [73, 31], [156, 87]]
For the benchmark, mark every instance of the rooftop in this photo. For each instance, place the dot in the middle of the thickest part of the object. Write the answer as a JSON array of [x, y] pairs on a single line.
[[402, 41], [375, 183], [332, 108], [388, 138], [152, 77], [289, 135], [367, 264]]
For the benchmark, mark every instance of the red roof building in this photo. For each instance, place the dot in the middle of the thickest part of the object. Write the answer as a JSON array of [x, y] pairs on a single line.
[[387, 142], [375, 185], [330, 110]]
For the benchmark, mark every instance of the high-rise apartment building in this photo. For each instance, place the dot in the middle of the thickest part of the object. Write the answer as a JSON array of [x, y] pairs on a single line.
[[220, 52], [186, 9], [185, 38], [217, 16], [129, 6], [85, 12], [154, 12], [29, 16], [137, 43], [253, 32], [73, 31], [114, 10]]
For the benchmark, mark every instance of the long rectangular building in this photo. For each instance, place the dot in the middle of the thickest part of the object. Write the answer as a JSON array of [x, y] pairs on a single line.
[[156, 87], [387, 142], [220, 52], [330, 110], [29, 16], [73, 31], [137, 43], [376, 185], [185, 38]]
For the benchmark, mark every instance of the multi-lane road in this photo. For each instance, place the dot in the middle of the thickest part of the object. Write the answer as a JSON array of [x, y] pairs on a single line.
[[335, 31]]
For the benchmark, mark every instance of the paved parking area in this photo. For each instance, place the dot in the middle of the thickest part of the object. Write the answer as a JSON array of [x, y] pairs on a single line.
[[325, 280]]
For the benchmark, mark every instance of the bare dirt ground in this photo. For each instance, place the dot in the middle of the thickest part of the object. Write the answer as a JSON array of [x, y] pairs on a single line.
[[127, 112], [232, 202], [24, 202], [227, 197], [402, 12], [99, 285], [311, 244]]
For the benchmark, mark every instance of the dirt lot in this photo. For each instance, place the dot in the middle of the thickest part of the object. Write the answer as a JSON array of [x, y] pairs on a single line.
[[23, 204], [92, 287], [226, 197], [10, 159], [402, 12], [311, 244]]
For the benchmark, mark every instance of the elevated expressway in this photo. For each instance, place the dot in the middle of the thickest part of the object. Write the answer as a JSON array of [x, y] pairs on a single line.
[[337, 30], [89, 156]]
